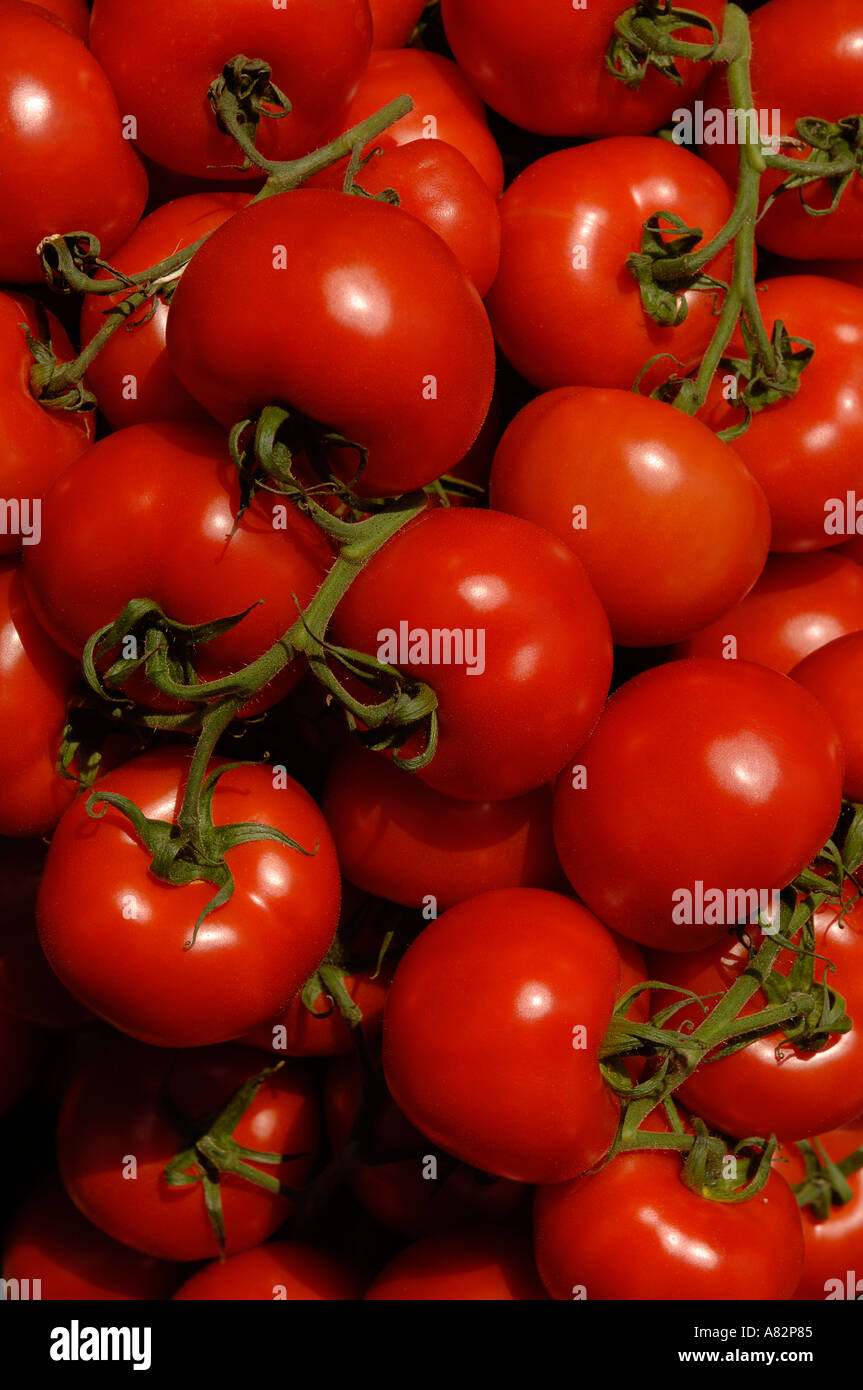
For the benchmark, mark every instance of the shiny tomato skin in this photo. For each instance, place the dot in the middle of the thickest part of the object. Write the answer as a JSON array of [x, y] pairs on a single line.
[[38, 443], [19, 1054], [479, 1045], [461, 1266], [29, 989], [679, 1245], [772, 1086], [800, 603], [50, 1241], [281, 1269], [393, 21], [400, 359], [564, 308], [324, 1033], [123, 951], [833, 1246], [400, 839], [115, 1107], [66, 166], [543, 66], [138, 352], [699, 770], [74, 14], [161, 481], [834, 674], [547, 647], [315, 64], [445, 108], [679, 505]]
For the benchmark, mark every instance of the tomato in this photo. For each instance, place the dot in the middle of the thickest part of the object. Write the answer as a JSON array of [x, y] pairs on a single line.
[[426, 1190], [74, 14], [317, 66], [678, 1245], [250, 956], [400, 839], [324, 1033], [536, 649], [565, 309], [491, 1034], [805, 451], [850, 271], [800, 73], [152, 483], [834, 1247], [770, 1085], [395, 347], [461, 1266], [437, 184], [800, 603], [19, 1052], [543, 65], [130, 375], [393, 21], [50, 1242], [29, 989], [834, 673], [282, 1269], [38, 443], [666, 520], [699, 771], [66, 165], [117, 1109], [445, 108]]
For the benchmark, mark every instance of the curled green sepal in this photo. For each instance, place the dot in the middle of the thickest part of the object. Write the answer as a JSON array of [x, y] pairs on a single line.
[[835, 157], [644, 38], [703, 1172], [825, 1185], [239, 97], [761, 386], [665, 299]]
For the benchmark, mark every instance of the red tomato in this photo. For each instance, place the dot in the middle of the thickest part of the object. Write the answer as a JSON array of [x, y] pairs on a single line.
[[19, 1049], [250, 956], [834, 674], [800, 603], [772, 1086], [66, 164], [317, 65], [491, 1033], [565, 309], [700, 771], [393, 21], [38, 443], [445, 108], [834, 1247], [806, 451], [537, 654], [850, 271], [157, 482], [461, 1266], [797, 73], [116, 1111], [678, 1245], [666, 520], [401, 840], [74, 14], [280, 1270], [396, 346], [324, 1033], [50, 1242], [543, 65], [29, 989], [131, 376]]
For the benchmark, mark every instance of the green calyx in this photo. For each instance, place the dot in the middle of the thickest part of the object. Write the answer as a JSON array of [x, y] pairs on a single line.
[[825, 1186], [644, 39]]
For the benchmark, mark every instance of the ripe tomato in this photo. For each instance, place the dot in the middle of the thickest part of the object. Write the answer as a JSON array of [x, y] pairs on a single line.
[[834, 1247], [850, 271], [38, 443], [402, 840], [797, 77], [116, 1134], [395, 348], [666, 521], [66, 165], [29, 989], [461, 1266], [393, 21], [805, 451], [543, 65], [317, 65], [157, 482], [491, 1034], [280, 1270], [565, 309], [772, 1086], [699, 771], [834, 674], [19, 1052], [131, 376], [679, 1245], [50, 1241], [445, 108], [800, 603], [536, 645], [250, 956], [74, 14], [324, 1033]]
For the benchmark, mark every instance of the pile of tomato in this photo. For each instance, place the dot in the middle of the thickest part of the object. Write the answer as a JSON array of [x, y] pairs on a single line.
[[431, 637]]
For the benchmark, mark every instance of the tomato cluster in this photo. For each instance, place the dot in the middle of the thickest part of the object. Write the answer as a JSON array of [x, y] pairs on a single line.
[[431, 628]]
